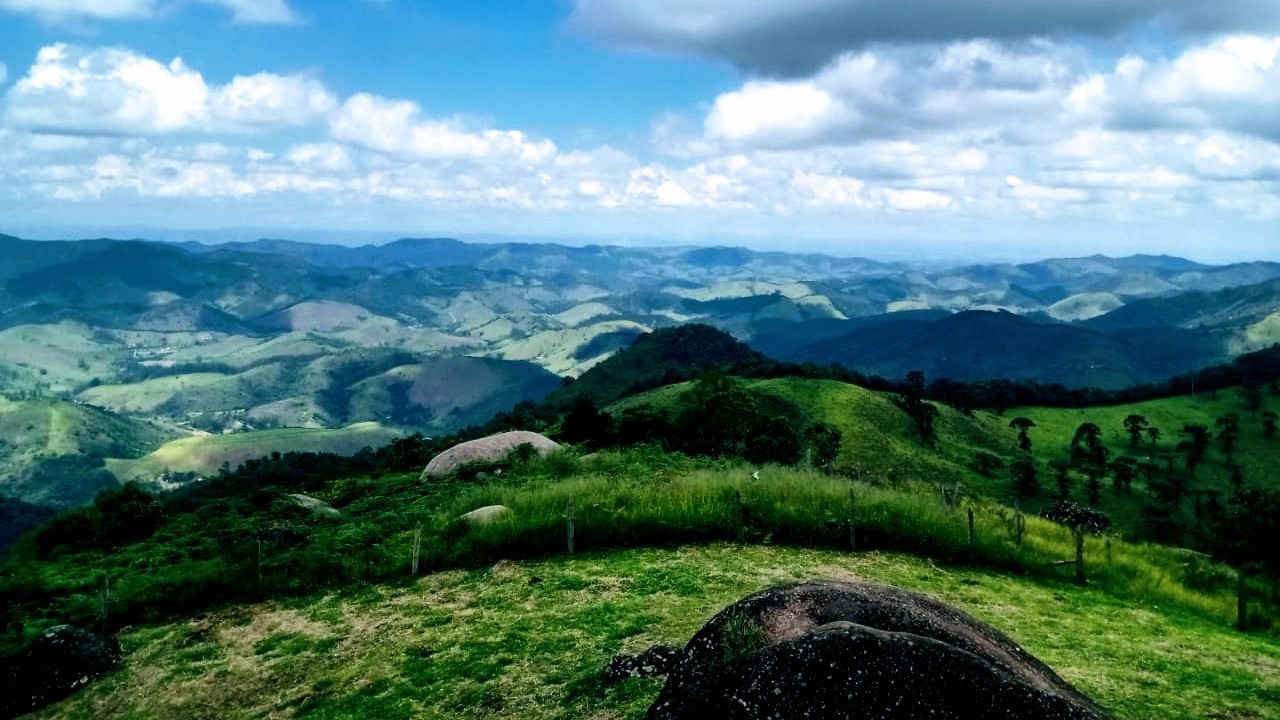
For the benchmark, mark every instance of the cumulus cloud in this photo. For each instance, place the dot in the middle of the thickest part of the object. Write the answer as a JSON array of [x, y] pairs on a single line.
[[1232, 83], [796, 37], [115, 91], [397, 127]]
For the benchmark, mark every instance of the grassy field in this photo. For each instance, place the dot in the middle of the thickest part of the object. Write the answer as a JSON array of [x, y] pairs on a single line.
[[487, 643], [205, 454], [879, 441]]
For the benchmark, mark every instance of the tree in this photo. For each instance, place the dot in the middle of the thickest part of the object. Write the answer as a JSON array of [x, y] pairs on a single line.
[[1153, 434], [1228, 434], [824, 444], [1237, 477], [1089, 456], [1123, 471], [912, 403], [1022, 425], [1252, 394], [1135, 425], [1026, 479], [587, 425], [1269, 425], [1062, 478], [1194, 446]]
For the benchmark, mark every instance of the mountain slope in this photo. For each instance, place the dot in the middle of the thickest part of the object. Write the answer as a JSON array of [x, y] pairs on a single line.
[[979, 345]]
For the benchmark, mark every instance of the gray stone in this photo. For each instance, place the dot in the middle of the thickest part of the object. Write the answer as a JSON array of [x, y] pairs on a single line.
[[485, 515], [841, 651]]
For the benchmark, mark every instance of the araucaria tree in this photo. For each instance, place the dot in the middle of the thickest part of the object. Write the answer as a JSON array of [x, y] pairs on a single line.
[[1123, 471], [1026, 479], [1022, 425], [1089, 456], [1062, 478], [913, 404], [1269, 426], [1228, 434], [1194, 446], [1135, 425]]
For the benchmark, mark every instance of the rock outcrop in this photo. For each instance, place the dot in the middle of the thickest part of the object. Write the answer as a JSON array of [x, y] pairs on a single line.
[[60, 661], [487, 449], [657, 660], [859, 650]]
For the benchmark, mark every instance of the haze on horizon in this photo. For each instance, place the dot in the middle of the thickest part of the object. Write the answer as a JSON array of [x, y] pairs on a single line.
[[1013, 128]]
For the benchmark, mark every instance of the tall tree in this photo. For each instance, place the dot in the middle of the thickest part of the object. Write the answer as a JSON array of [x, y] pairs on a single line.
[[1194, 446], [1269, 424], [913, 404], [1153, 434], [1023, 425], [1123, 471], [1089, 456], [1252, 394], [1062, 478], [1026, 479], [1228, 434], [1136, 425]]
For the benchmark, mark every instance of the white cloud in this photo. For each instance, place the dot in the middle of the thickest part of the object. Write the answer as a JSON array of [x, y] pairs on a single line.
[[397, 127], [796, 37], [115, 91], [1231, 83], [242, 11], [786, 110], [267, 99], [96, 9]]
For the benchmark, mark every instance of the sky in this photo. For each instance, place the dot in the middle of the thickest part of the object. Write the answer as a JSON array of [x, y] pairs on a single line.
[[1025, 128]]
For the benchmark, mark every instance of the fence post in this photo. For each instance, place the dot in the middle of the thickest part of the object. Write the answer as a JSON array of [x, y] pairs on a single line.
[[106, 600], [972, 539], [569, 526], [1242, 601], [1080, 577], [741, 516], [1108, 546], [417, 547], [853, 528]]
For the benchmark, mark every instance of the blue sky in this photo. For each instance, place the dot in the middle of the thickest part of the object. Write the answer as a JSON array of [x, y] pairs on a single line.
[[1016, 127]]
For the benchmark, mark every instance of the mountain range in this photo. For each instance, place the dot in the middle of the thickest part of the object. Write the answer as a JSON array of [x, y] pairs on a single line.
[[162, 341]]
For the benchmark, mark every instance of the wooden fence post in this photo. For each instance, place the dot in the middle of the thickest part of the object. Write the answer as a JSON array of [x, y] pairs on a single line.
[[853, 528], [417, 547], [973, 541], [741, 516], [569, 526], [1108, 546], [106, 602], [1080, 577], [1242, 601]]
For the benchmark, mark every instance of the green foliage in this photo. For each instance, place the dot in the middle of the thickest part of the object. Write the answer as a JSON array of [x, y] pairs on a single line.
[[987, 464]]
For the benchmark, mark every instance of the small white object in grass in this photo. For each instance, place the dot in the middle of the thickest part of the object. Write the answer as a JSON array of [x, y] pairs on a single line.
[[755, 475]]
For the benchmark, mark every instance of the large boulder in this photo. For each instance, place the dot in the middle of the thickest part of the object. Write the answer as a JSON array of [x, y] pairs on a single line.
[[487, 449], [60, 661], [838, 650], [485, 515]]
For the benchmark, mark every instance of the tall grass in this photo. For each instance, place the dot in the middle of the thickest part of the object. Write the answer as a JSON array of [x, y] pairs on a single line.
[[806, 508]]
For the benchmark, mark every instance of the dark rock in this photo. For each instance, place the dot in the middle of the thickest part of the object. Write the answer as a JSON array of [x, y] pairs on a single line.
[[657, 660], [535, 580], [1071, 514], [858, 650], [56, 664]]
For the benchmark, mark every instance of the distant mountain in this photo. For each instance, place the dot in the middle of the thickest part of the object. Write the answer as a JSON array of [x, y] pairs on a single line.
[[656, 359], [979, 345], [1231, 307]]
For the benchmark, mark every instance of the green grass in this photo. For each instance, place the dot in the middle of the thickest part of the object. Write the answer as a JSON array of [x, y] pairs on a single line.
[[486, 642], [880, 443], [204, 454]]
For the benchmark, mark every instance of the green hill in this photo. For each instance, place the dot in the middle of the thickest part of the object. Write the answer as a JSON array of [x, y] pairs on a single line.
[[459, 643], [52, 451], [654, 359], [204, 454]]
